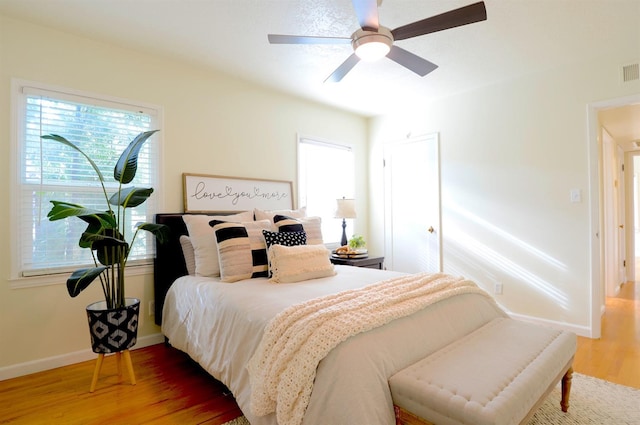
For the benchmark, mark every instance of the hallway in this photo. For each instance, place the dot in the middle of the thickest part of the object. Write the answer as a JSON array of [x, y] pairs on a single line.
[[615, 356]]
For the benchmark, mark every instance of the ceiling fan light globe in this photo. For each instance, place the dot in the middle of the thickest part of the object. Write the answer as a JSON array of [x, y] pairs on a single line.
[[372, 45], [372, 51]]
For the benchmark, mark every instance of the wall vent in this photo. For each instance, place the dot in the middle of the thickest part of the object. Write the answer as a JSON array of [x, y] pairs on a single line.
[[630, 72]]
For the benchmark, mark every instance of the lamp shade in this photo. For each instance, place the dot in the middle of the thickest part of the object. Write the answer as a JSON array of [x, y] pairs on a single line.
[[346, 208]]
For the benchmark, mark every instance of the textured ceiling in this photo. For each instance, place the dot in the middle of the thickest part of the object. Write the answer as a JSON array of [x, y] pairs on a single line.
[[518, 37]]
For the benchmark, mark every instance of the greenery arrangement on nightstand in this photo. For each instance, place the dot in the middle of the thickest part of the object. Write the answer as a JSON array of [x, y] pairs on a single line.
[[357, 241]]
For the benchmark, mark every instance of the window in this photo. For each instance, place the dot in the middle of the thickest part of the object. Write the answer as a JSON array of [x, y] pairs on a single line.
[[47, 170], [326, 172]]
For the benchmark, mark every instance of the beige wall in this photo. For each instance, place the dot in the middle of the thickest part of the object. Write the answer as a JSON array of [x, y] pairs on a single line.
[[510, 154], [213, 123]]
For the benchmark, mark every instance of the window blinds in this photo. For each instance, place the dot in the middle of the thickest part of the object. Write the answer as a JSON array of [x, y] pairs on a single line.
[[51, 170]]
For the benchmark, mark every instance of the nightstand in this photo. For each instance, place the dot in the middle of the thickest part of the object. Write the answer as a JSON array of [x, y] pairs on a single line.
[[369, 262]]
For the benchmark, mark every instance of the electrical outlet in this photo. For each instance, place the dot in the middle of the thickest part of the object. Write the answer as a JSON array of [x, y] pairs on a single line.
[[152, 308], [498, 289]]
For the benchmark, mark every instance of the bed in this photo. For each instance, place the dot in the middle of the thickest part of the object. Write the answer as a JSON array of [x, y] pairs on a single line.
[[221, 326]]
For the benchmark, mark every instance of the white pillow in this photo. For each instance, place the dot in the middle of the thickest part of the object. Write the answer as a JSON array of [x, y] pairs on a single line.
[[299, 263], [188, 254], [312, 226], [269, 214], [204, 242]]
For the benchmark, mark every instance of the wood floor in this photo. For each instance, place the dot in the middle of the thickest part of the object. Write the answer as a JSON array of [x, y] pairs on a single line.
[[171, 389], [615, 356]]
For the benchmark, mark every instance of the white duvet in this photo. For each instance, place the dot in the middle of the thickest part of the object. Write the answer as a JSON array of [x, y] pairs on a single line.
[[220, 325]]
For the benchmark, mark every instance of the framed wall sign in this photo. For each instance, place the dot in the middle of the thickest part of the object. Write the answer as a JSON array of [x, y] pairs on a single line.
[[205, 193]]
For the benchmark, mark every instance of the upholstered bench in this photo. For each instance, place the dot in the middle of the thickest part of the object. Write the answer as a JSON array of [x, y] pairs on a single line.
[[498, 374]]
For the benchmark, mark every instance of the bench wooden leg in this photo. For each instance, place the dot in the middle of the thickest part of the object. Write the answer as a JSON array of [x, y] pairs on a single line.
[[404, 417], [566, 389]]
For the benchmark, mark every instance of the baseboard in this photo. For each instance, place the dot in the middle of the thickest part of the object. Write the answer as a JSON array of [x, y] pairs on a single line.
[[578, 330], [48, 363]]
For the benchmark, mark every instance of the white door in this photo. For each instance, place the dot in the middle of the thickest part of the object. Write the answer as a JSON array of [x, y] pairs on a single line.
[[610, 215], [622, 241], [412, 205]]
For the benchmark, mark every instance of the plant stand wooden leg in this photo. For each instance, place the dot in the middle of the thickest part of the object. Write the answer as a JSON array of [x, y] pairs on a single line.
[[96, 372], [127, 360], [119, 365]]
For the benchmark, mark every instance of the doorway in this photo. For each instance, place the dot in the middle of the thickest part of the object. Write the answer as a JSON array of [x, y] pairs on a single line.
[[620, 118]]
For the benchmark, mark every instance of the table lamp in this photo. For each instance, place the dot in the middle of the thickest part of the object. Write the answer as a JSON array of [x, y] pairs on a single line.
[[346, 208]]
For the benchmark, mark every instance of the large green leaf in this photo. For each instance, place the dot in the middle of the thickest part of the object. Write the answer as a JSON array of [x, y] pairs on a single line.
[[110, 253], [131, 196], [61, 139], [97, 221], [127, 165], [160, 231], [81, 278], [61, 210], [109, 244], [86, 238]]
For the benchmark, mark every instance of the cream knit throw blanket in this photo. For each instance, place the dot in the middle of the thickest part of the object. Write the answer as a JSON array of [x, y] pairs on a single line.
[[283, 368]]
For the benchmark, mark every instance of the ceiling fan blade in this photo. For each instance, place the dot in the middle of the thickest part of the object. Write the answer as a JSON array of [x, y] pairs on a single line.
[[367, 13], [343, 69], [410, 61], [304, 39], [454, 18]]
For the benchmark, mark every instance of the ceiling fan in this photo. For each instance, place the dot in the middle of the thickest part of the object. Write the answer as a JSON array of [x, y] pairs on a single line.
[[374, 41]]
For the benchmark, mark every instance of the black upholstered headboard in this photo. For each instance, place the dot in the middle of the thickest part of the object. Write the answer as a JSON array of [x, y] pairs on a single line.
[[169, 263]]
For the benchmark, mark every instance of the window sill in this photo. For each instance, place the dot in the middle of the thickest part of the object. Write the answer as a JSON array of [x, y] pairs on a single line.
[[61, 278]]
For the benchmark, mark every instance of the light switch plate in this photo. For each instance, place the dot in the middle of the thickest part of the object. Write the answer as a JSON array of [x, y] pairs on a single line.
[[575, 195]]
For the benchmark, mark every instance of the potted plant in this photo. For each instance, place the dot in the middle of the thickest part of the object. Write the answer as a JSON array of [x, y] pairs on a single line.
[[113, 323], [356, 242]]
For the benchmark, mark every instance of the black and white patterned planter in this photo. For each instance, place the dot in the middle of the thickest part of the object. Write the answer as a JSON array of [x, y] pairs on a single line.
[[113, 330]]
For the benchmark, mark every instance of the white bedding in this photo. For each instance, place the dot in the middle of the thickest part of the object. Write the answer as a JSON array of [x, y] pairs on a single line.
[[220, 325]]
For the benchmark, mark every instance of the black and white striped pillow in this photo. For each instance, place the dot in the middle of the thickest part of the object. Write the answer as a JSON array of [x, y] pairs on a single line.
[[242, 251], [312, 226]]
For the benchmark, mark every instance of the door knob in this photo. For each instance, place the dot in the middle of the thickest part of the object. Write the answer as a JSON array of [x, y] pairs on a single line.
[[430, 229]]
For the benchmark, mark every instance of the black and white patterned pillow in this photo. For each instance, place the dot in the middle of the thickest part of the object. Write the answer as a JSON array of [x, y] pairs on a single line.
[[294, 238], [285, 238], [312, 226]]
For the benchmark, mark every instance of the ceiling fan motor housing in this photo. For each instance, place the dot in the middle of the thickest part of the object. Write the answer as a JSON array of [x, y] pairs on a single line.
[[371, 44]]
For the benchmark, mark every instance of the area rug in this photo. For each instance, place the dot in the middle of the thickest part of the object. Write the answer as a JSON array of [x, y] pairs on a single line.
[[593, 401]]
